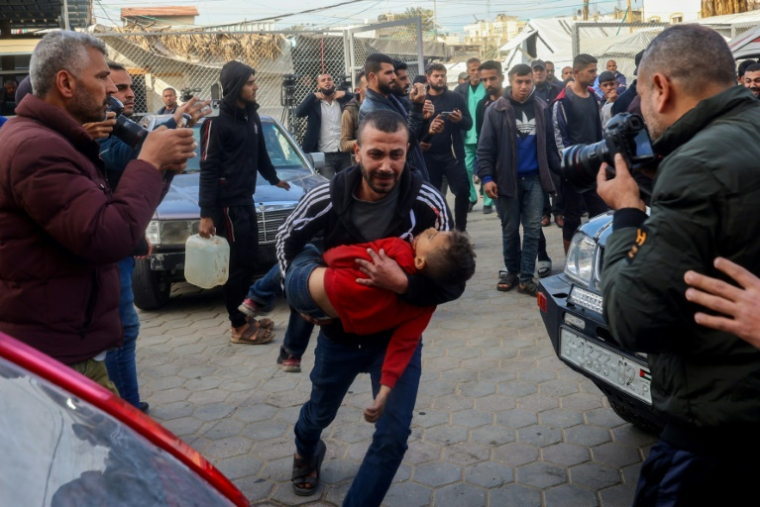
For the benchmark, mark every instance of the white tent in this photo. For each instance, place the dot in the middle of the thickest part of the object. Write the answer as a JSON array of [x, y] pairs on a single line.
[[546, 39], [746, 45], [552, 39]]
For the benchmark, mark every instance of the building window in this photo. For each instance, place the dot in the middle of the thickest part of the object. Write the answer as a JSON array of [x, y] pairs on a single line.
[[676, 18], [655, 19]]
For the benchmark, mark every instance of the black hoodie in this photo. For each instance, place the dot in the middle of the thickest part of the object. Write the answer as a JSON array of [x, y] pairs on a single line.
[[232, 148]]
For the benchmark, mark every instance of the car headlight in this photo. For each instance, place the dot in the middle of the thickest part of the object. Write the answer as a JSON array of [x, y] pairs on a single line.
[[153, 232], [580, 259], [171, 232]]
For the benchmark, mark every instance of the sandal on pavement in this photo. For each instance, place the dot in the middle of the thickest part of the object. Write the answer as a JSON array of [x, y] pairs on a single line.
[[507, 282], [546, 220], [529, 289], [559, 220], [255, 333], [304, 467], [544, 268]]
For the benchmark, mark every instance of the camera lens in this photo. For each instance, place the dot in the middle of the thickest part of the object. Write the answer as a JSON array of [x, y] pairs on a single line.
[[581, 162]]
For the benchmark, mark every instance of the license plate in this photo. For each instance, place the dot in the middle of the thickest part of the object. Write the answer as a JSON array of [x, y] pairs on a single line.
[[605, 364]]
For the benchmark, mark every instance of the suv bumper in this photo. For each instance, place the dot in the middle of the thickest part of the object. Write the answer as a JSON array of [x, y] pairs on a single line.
[[175, 260], [594, 330]]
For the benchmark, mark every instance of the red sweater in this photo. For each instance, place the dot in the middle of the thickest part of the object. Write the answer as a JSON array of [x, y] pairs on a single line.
[[367, 310]]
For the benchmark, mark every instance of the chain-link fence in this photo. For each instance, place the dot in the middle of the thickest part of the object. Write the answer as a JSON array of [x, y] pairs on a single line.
[[190, 62], [614, 41]]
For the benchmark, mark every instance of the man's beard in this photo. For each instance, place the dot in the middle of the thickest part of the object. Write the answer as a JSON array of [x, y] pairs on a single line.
[[492, 90], [398, 90], [438, 87], [369, 179], [85, 108], [654, 126], [385, 89]]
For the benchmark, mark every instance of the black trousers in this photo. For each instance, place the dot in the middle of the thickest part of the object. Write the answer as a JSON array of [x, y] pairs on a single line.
[[335, 163], [456, 176], [574, 202], [238, 225], [676, 477]]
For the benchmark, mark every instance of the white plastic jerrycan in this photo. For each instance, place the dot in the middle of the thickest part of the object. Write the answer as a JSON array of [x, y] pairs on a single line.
[[207, 261]]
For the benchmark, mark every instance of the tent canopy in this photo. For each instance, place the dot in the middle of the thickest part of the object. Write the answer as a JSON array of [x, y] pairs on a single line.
[[746, 45]]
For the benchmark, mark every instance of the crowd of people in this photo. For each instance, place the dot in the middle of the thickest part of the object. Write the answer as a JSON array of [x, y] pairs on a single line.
[[378, 238]]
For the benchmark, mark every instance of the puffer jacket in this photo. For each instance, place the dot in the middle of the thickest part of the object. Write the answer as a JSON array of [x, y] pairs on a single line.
[[62, 232], [705, 204]]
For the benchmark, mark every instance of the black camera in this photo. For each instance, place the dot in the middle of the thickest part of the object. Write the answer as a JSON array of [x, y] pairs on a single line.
[[288, 90], [343, 83], [186, 94], [626, 134], [125, 129]]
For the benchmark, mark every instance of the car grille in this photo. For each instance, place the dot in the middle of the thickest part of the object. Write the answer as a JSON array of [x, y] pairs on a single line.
[[269, 221]]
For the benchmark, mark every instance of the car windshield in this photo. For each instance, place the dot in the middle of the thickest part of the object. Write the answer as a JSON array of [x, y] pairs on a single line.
[[285, 156]]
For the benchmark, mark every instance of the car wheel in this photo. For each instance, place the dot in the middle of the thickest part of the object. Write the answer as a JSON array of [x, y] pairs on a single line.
[[151, 288]]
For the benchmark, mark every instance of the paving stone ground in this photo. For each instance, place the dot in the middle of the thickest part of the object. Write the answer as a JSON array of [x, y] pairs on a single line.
[[499, 420]]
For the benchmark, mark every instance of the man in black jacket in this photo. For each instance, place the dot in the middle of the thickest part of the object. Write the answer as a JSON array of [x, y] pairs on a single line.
[[445, 156], [493, 79], [516, 155], [233, 150], [380, 197], [705, 204], [324, 109]]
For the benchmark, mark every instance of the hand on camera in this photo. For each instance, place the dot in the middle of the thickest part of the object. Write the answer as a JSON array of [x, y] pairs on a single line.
[[168, 150], [622, 191], [101, 129]]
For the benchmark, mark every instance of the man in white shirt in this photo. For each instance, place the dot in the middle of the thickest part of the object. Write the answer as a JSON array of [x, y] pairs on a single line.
[[324, 109]]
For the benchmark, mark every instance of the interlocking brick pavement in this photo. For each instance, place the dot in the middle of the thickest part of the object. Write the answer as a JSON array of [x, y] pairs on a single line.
[[499, 419]]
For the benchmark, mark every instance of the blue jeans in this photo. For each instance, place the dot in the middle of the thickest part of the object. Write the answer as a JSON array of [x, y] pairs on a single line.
[[121, 365], [264, 292], [297, 283], [526, 208], [335, 368]]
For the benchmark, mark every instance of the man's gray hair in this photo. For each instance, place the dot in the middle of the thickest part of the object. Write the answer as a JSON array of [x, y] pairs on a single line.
[[693, 55], [60, 50]]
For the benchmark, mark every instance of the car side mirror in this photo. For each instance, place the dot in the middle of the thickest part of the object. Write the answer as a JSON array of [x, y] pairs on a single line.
[[317, 160]]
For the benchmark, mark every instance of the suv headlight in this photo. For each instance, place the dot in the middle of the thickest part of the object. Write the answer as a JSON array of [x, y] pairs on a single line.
[[580, 259], [171, 232]]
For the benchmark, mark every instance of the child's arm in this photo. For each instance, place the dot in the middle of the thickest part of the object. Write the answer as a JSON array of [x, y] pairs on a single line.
[[402, 345], [373, 413]]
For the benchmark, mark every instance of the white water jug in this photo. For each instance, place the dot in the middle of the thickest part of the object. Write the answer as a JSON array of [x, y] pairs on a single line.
[[207, 261]]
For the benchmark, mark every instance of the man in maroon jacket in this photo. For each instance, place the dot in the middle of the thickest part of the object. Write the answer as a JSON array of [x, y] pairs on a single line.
[[62, 229]]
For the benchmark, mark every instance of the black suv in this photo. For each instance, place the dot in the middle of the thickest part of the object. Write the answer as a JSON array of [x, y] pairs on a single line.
[[571, 307]]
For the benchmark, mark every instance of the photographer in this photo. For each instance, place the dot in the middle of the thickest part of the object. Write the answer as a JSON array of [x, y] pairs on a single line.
[[64, 229], [116, 154], [705, 204], [324, 109]]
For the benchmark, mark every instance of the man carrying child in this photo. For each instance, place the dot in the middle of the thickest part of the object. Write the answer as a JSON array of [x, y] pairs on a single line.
[[378, 198]]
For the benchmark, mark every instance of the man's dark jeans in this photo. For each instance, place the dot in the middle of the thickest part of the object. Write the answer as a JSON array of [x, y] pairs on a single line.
[[335, 163], [335, 368], [526, 208], [574, 202], [456, 176]]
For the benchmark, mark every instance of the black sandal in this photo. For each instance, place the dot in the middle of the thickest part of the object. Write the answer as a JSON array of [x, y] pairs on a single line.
[[507, 282], [304, 467]]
